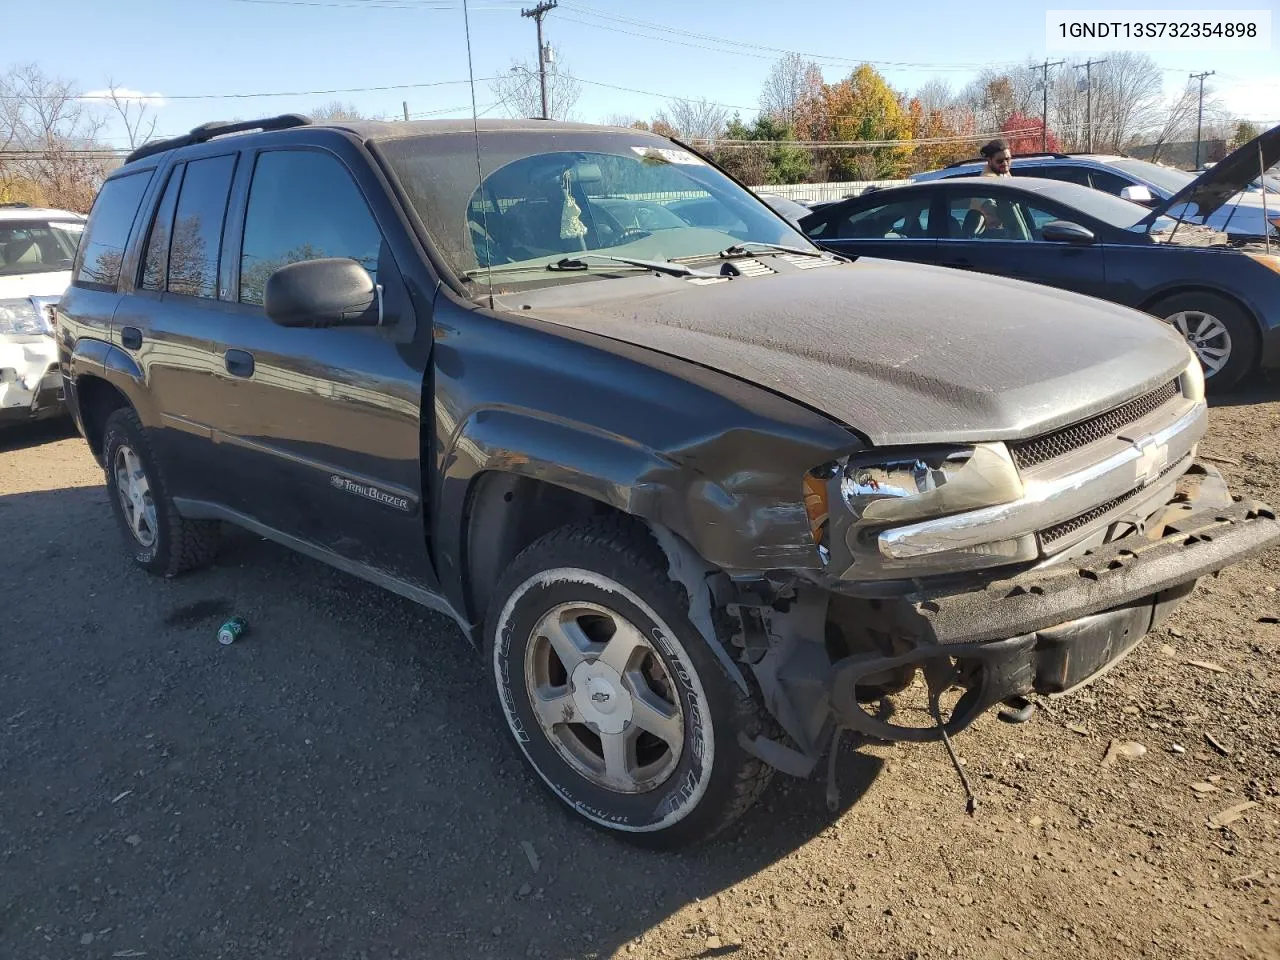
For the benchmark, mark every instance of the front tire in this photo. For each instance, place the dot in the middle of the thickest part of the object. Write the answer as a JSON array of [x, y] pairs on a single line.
[[160, 540], [613, 696], [1220, 333]]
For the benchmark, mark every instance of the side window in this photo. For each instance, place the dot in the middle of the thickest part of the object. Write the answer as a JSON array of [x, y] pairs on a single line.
[[155, 266], [1055, 171], [197, 227], [1110, 182], [107, 233], [897, 220], [1036, 217], [979, 215], [303, 205]]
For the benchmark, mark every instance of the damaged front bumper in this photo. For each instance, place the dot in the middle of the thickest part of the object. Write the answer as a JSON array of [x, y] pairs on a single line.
[[1052, 629], [30, 379]]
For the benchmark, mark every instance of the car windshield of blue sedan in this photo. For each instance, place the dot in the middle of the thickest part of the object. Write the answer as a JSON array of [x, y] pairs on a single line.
[[574, 198]]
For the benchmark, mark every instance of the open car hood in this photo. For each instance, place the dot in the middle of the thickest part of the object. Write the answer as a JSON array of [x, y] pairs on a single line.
[[1225, 179]]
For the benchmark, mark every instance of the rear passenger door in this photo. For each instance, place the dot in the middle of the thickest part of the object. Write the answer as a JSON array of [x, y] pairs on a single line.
[[321, 426], [172, 323]]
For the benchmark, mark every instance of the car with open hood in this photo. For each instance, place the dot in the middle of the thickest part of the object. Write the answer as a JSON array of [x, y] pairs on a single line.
[[1242, 214], [1222, 297], [37, 246], [703, 496]]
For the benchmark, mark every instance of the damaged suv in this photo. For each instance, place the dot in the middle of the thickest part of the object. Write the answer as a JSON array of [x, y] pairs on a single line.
[[704, 495]]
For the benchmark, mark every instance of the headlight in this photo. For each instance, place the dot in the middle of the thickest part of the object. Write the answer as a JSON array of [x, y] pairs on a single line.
[[21, 317], [851, 502]]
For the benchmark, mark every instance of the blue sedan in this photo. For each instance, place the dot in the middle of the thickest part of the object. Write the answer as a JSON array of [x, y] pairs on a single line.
[[1224, 299]]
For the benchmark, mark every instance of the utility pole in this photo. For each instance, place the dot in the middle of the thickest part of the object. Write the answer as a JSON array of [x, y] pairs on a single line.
[[537, 13], [1200, 110], [1088, 101], [1044, 109], [405, 104]]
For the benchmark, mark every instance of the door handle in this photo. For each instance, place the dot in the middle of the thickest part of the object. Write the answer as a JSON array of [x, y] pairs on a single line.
[[959, 262], [131, 338], [239, 363]]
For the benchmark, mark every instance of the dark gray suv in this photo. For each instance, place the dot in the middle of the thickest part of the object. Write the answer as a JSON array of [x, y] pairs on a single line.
[[703, 497]]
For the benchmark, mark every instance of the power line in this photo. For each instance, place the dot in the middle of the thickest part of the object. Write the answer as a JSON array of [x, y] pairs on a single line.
[[274, 93], [770, 50]]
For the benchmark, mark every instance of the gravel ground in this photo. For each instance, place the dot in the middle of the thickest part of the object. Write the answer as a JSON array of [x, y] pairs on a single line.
[[337, 783]]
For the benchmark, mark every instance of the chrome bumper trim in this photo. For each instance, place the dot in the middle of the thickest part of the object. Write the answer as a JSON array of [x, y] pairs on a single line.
[[1053, 500]]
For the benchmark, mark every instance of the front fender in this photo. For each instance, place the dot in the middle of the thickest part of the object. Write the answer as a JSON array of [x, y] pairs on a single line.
[[738, 521]]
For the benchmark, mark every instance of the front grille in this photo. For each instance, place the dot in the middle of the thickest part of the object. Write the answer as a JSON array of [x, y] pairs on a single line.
[[1030, 453], [1052, 534]]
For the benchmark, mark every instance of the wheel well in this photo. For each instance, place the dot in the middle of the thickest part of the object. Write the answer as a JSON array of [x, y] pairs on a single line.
[[98, 399], [1179, 291], [505, 514]]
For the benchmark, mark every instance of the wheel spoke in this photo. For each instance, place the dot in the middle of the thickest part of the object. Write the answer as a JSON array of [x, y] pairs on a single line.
[[554, 705], [1211, 329], [627, 642], [1179, 320], [137, 519], [651, 714], [617, 768], [569, 642]]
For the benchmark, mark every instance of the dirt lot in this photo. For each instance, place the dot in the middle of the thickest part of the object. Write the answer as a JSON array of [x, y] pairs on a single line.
[[336, 785]]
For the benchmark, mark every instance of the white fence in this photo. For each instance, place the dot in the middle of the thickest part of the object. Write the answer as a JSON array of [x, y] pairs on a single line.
[[824, 191]]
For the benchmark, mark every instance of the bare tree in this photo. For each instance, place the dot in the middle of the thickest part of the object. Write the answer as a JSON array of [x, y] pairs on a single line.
[[936, 96], [697, 119], [786, 88], [133, 107], [46, 131], [1179, 119], [621, 120], [993, 96], [336, 110], [520, 94]]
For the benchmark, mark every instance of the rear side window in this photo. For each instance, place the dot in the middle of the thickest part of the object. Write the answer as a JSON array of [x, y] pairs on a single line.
[[1056, 172], [107, 233], [303, 205], [1110, 182], [197, 227], [156, 265]]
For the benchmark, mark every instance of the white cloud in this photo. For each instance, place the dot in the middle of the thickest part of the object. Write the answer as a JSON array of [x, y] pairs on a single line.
[[126, 95], [1257, 100]]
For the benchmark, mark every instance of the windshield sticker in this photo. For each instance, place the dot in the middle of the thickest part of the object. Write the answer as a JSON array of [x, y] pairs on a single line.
[[667, 155]]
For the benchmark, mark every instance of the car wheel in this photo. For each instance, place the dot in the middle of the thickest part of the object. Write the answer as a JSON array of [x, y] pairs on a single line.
[[1218, 331], [613, 696], [159, 538]]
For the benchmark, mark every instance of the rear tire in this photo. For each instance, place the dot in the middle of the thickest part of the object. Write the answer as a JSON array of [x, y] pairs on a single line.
[[611, 693], [1217, 330], [160, 540]]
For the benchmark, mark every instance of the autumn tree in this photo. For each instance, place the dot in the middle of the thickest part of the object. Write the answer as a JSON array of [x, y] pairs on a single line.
[[1026, 134], [864, 107], [787, 89]]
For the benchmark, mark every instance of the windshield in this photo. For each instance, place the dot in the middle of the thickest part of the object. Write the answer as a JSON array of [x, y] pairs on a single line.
[[1121, 214], [38, 246], [1166, 178], [548, 196]]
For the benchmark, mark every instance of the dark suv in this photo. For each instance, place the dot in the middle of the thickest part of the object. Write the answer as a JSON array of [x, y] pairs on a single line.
[[704, 495]]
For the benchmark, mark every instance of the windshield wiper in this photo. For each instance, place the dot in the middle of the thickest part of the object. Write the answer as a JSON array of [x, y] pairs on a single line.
[[579, 262], [744, 248]]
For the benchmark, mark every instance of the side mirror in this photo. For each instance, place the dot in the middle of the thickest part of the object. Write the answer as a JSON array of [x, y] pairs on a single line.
[[1063, 231], [1137, 193], [331, 292]]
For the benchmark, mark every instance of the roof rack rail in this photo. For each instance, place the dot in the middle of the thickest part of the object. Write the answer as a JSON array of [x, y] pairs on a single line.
[[1016, 156], [217, 128], [15, 204]]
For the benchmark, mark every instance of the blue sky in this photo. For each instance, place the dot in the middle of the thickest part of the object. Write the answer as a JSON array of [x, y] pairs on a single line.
[[180, 49]]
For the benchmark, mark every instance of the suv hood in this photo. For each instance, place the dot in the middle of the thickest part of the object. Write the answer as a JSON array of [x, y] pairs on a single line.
[[1225, 179], [899, 352]]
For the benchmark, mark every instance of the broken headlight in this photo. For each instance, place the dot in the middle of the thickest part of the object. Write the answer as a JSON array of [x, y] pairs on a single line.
[[18, 317], [851, 502]]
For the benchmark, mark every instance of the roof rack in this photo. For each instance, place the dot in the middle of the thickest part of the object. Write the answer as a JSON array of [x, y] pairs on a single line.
[[9, 204], [1016, 156], [217, 128]]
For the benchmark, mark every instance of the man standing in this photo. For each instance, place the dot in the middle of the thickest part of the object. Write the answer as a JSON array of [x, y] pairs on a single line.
[[998, 157]]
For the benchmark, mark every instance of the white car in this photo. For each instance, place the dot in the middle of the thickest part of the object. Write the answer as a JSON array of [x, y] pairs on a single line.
[[36, 250]]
